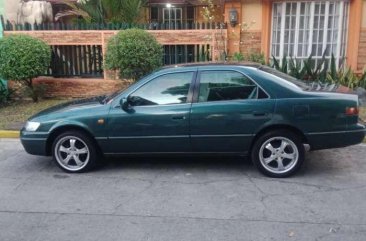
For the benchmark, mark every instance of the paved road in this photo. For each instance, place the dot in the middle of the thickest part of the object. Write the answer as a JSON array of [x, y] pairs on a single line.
[[182, 199]]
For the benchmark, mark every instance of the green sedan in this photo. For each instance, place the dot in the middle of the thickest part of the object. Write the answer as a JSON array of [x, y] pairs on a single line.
[[226, 109]]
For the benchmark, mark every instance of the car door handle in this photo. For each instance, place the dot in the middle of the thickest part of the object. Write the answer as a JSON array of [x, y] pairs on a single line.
[[259, 113], [179, 117]]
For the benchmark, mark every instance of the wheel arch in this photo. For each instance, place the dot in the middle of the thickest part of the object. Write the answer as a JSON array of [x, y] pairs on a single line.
[[68, 127], [273, 127]]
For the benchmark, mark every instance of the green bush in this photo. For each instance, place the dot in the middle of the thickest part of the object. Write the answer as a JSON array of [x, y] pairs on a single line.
[[134, 53], [23, 58], [237, 56], [255, 57], [251, 57]]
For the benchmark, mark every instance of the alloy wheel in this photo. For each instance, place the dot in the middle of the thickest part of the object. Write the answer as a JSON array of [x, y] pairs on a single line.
[[72, 153], [278, 155]]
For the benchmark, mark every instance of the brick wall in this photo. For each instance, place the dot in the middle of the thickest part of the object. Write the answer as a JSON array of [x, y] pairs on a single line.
[[250, 42], [88, 37], [361, 61]]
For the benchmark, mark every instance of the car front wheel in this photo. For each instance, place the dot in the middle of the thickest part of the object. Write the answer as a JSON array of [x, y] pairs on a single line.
[[74, 151], [278, 153]]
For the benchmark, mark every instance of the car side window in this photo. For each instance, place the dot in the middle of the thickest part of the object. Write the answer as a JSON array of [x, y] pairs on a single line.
[[225, 85], [166, 89]]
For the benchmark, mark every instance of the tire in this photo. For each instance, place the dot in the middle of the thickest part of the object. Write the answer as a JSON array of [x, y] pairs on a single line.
[[74, 152], [278, 153]]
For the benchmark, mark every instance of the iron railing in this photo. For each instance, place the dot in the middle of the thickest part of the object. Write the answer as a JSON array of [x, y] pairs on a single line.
[[8, 26], [76, 60]]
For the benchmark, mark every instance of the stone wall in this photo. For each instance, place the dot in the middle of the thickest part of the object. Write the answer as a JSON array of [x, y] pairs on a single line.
[[250, 42], [361, 61], [95, 37]]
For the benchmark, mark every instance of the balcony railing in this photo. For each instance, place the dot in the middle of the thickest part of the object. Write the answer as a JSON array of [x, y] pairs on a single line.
[[8, 26]]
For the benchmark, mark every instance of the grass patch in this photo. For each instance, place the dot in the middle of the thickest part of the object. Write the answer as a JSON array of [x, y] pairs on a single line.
[[18, 112]]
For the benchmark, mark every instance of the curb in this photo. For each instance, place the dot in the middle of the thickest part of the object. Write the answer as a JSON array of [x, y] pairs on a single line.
[[9, 134]]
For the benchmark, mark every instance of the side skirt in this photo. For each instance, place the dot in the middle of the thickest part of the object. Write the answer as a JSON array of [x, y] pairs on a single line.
[[178, 154]]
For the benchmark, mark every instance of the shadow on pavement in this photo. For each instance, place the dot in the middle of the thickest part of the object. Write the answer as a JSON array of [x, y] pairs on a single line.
[[177, 162]]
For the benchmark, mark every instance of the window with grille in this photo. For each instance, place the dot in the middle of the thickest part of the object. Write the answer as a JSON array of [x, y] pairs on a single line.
[[173, 17], [304, 28]]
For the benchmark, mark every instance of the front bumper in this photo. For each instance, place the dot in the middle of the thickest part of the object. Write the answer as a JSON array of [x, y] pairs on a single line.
[[34, 143]]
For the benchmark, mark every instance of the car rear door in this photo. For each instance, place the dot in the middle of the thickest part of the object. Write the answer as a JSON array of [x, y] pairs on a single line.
[[158, 121], [227, 110]]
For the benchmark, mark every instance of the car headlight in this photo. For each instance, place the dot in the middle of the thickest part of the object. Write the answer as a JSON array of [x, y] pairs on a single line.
[[32, 126]]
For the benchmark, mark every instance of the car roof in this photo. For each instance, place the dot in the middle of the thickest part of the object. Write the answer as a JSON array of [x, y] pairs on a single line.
[[222, 63]]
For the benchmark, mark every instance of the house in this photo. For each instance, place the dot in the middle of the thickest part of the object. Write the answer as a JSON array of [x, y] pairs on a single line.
[[275, 27], [283, 28]]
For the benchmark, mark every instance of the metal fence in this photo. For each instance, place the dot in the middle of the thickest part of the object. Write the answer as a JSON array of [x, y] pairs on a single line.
[[177, 54], [8, 26], [76, 60]]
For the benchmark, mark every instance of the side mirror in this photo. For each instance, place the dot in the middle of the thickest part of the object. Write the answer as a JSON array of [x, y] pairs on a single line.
[[125, 104]]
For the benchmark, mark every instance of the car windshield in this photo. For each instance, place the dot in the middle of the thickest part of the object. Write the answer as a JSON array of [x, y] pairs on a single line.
[[289, 79], [109, 98]]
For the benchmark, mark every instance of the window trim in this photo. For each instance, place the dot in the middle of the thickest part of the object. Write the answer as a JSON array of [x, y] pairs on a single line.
[[190, 90], [341, 31], [198, 82], [169, 19]]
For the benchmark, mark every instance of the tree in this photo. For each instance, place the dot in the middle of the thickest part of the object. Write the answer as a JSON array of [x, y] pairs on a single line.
[[22, 58], [104, 11], [126, 11], [134, 53]]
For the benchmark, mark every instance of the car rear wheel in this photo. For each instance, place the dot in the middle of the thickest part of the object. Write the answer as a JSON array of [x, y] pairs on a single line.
[[74, 151], [278, 153]]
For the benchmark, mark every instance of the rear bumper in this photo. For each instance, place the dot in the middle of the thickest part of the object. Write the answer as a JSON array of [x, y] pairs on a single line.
[[336, 139]]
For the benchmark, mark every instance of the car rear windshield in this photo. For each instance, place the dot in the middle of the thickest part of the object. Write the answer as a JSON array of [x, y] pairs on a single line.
[[292, 80]]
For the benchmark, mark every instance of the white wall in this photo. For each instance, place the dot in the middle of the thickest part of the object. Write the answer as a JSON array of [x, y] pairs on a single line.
[[11, 8]]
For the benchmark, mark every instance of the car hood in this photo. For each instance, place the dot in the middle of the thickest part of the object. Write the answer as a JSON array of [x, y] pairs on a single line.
[[72, 106]]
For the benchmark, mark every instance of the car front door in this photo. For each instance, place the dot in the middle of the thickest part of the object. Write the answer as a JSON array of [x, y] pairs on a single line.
[[157, 120], [227, 109]]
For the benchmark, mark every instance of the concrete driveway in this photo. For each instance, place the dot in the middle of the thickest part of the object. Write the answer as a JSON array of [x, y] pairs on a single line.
[[176, 199]]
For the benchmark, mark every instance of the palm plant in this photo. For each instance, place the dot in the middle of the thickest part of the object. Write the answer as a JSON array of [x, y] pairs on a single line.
[[320, 74], [280, 66], [345, 76], [315, 72], [295, 69], [104, 11], [90, 11], [123, 10], [307, 70]]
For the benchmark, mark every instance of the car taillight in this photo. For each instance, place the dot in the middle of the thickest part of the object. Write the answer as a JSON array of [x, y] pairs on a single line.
[[351, 111]]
